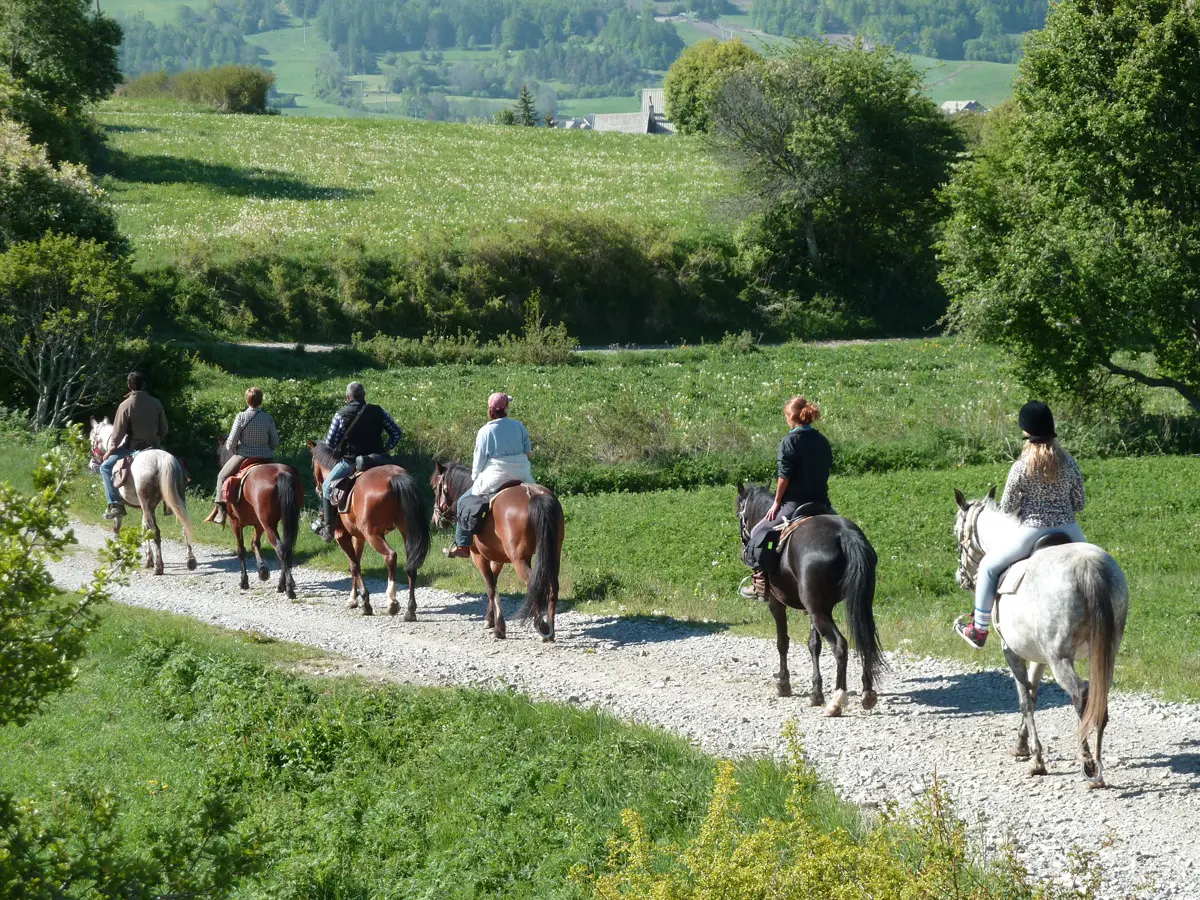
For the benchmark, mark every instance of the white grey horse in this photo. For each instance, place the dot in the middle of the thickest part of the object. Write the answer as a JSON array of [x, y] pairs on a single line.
[[157, 477], [1070, 603]]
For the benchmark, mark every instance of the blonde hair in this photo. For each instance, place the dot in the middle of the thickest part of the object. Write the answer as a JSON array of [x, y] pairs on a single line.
[[1044, 460], [801, 411], [254, 397]]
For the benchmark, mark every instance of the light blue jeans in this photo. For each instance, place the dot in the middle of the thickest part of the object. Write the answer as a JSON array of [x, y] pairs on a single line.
[[341, 470], [994, 564], [106, 478]]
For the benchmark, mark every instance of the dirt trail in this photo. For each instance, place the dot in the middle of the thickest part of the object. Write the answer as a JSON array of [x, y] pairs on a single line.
[[716, 689]]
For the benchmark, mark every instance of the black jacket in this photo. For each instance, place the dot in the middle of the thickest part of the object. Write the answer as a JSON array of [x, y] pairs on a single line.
[[366, 437], [805, 459]]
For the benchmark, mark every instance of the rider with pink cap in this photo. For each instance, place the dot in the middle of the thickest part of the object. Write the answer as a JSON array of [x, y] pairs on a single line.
[[502, 451]]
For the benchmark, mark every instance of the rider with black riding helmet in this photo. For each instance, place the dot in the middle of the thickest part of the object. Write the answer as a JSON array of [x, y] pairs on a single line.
[[356, 430], [1044, 491], [805, 460]]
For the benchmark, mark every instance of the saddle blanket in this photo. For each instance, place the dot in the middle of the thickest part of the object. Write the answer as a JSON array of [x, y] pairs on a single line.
[[343, 488], [232, 492]]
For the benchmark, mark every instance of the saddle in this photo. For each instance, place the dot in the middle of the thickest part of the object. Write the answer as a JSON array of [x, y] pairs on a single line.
[[123, 470], [477, 509], [232, 492], [1011, 580], [770, 551], [343, 488]]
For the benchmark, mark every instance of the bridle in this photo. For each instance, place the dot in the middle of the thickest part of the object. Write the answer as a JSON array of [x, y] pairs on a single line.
[[744, 525], [444, 507], [970, 551]]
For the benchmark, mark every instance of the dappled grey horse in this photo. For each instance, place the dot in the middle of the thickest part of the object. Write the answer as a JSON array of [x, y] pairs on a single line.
[[1070, 603], [156, 477]]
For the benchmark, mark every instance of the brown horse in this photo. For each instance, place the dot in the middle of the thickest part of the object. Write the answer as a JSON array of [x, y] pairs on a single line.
[[827, 560], [385, 498], [526, 524], [270, 502]]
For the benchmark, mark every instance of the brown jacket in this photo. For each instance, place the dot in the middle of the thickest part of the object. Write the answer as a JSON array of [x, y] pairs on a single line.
[[140, 423]]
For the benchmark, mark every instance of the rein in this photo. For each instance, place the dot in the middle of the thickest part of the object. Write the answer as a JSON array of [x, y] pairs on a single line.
[[971, 552]]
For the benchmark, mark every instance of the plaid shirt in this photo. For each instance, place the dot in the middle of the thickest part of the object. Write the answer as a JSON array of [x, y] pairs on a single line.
[[338, 427], [253, 435]]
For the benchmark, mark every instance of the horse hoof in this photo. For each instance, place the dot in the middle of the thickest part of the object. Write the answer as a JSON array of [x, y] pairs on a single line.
[[1019, 754], [1089, 768], [245, 585], [833, 711], [393, 608], [542, 627], [500, 632], [191, 564], [367, 610], [1038, 768], [291, 594], [263, 574], [783, 689], [869, 700], [410, 615], [158, 570], [353, 604], [1095, 783], [816, 699]]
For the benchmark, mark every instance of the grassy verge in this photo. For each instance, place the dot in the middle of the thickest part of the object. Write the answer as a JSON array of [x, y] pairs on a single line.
[[362, 789]]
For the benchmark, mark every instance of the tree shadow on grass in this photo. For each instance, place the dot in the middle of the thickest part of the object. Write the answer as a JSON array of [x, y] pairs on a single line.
[[234, 181]]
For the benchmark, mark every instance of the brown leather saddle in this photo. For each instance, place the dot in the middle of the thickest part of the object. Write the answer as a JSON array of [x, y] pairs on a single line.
[[232, 492], [123, 470]]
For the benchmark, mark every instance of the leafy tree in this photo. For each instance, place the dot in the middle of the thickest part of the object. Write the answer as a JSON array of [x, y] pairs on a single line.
[[505, 117], [839, 155], [65, 305], [1075, 235], [696, 78], [525, 112], [36, 196]]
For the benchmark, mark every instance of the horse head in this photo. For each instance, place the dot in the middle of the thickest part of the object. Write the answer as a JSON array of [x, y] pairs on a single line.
[[100, 435], [449, 482], [966, 532], [753, 501]]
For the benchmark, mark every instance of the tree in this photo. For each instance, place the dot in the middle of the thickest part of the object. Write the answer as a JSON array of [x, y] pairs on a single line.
[[504, 117], [36, 196], [1074, 240], [525, 112], [696, 78], [839, 155], [65, 305]]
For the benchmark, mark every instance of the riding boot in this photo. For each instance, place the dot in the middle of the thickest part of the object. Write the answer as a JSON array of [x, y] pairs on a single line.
[[218, 513], [115, 511], [757, 590], [328, 519]]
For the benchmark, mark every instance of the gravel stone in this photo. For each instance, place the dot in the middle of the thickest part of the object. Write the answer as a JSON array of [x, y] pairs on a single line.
[[717, 690]]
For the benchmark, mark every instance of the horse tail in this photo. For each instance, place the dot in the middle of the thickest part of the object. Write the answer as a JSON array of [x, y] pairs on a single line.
[[287, 488], [858, 593], [416, 521], [172, 483], [547, 514], [1098, 585]]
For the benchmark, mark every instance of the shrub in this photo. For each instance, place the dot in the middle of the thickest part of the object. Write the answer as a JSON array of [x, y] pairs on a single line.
[[232, 89]]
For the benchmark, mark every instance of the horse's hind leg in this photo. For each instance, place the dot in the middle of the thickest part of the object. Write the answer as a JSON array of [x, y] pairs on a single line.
[[1069, 681], [380, 545], [241, 552], [1029, 745], [816, 694], [151, 522], [263, 572], [841, 653], [783, 678], [495, 615]]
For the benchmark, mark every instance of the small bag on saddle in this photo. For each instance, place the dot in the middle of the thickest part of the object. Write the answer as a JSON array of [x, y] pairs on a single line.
[[474, 513]]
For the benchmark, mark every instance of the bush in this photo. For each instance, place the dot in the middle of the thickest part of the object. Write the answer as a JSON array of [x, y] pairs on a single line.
[[232, 89]]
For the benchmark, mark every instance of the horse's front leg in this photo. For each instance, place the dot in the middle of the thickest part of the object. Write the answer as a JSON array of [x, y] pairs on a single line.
[[783, 678], [347, 544], [263, 572], [1028, 746], [357, 573], [495, 615], [816, 695], [241, 553]]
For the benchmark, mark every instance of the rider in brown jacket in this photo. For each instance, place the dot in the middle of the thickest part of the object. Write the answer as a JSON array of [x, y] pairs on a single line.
[[140, 424]]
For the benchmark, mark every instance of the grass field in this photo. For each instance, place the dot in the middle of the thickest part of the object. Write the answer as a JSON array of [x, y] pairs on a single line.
[[293, 54], [185, 180], [358, 789], [988, 82]]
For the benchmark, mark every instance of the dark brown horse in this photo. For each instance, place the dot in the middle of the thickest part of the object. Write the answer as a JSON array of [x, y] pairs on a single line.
[[270, 502], [385, 498], [826, 560], [525, 528]]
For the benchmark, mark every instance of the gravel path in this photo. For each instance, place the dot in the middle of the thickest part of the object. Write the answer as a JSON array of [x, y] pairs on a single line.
[[717, 690]]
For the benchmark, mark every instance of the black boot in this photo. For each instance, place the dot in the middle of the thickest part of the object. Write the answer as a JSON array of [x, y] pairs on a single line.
[[329, 519]]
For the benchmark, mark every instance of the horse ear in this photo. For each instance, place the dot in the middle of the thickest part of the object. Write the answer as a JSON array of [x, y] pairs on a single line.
[[741, 489], [311, 444], [438, 467], [104, 421], [960, 499], [92, 421], [992, 492]]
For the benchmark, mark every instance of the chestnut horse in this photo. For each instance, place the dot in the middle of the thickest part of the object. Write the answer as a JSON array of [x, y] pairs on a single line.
[[270, 502], [526, 524], [385, 498]]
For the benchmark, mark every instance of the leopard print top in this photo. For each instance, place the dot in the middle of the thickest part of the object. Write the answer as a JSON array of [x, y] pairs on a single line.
[[1043, 505]]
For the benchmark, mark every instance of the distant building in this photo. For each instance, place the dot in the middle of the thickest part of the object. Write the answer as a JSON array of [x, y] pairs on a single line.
[[651, 120], [954, 107]]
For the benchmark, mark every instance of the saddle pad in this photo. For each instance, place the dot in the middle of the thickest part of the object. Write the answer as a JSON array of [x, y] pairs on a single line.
[[1010, 581], [232, 492]]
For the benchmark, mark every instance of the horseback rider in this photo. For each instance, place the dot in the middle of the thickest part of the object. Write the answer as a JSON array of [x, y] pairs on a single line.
[[140, 424], [253, 436], [356, 431], [1044, 491], [805, 460], [502, 451]]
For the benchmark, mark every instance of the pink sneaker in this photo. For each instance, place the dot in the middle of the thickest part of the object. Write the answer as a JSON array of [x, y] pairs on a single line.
[[966, 629]]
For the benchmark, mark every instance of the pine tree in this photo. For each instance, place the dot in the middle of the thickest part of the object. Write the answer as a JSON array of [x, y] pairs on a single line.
[[525, 112]]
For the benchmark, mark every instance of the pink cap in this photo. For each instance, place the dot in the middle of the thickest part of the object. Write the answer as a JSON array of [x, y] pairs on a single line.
[[498, 402]]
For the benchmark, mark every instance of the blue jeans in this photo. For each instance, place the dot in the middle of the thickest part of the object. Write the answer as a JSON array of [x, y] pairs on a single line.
[[106, 467], [461, 538], [341, 470], [997, 560]]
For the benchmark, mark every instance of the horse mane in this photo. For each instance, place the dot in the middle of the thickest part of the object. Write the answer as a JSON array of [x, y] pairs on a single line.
[[756, 500], [460, 478], [324, 455]]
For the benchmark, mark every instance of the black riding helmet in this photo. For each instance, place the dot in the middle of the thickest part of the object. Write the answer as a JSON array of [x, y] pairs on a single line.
[[1037, 421]]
